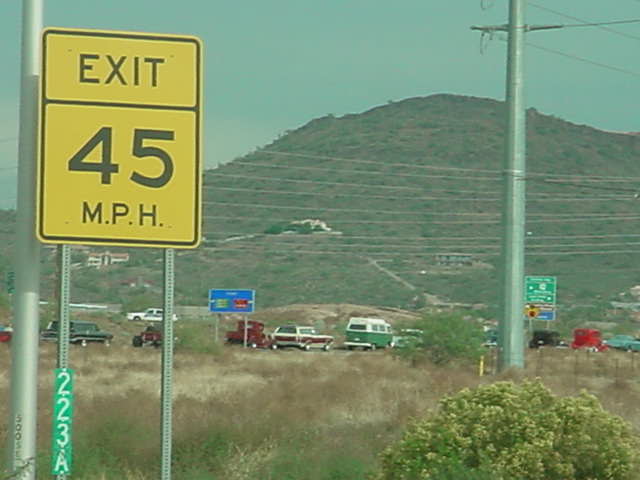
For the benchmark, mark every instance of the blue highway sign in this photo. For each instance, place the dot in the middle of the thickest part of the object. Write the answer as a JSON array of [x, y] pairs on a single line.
[[231, 301]]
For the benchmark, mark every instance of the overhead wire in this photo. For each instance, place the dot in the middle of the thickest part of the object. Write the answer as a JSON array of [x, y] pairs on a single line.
[[359, 172], [479, 196], [600, 25], [238, 218], [394, 165], [330, 236], [585, 60], [230, 248], [378, 163], [448, 246]]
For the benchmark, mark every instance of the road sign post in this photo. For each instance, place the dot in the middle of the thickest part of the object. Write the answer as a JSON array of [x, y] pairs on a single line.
[[119, 139]]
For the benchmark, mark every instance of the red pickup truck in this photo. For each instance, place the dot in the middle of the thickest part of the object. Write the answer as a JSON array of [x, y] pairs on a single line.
[[302, 337], [5, 334], [254, 336], [151, 335]]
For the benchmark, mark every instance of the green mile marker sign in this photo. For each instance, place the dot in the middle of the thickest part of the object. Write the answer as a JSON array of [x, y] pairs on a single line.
[[61, 447]]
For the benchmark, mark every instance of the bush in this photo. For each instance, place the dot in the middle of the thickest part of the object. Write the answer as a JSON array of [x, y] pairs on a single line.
[[445, 337], [517, 432]]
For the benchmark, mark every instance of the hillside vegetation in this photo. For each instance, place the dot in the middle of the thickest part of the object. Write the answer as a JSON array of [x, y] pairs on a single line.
[[392, 188]]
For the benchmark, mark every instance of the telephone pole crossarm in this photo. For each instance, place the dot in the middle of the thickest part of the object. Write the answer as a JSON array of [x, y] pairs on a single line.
[[505, 28]]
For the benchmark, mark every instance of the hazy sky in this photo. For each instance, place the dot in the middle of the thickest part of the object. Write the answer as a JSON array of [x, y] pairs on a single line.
[[274, 65]]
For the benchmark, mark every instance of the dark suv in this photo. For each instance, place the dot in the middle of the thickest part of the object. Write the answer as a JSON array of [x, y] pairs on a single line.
[[80, 333], [546, 338]]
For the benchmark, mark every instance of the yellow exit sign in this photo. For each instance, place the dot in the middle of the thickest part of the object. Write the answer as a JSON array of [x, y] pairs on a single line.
[[120, 139]]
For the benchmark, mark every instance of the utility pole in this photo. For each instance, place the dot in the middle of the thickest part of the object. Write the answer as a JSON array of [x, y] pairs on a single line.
[[511, 322], [24, 344], [511, 326]]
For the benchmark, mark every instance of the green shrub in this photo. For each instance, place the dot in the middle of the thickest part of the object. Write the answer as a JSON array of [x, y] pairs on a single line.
[[520, 432], [445, 337]]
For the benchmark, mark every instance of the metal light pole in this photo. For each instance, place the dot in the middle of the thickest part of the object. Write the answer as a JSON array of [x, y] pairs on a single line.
[[24, 344], [511, 326]]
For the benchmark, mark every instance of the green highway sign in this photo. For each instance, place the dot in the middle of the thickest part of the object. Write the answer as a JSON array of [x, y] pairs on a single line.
[[61, 447], [540, 290]]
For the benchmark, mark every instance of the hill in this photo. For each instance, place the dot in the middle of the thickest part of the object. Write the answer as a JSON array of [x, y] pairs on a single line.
[[404, 182], [399, 206]]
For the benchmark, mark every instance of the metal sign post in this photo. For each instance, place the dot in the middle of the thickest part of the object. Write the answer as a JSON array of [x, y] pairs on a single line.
[[166, 396], [64, 272], [246, 333]]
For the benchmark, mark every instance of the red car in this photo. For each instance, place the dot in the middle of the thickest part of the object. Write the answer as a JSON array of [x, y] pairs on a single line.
[[151, 335], [588, 338], [5, 336]]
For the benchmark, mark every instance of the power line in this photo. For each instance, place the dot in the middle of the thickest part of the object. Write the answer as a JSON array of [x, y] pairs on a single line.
[[393, 255], [330, 236], [572, 215], [375, 162], [585, 60], [600, 25], [414, 189], [448, 247], [350, 210], [238, 218], [359, 172], [356, 195], [405, 165], [547, 197]]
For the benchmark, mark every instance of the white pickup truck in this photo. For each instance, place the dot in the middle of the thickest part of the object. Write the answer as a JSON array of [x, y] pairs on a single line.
[[149, 315]]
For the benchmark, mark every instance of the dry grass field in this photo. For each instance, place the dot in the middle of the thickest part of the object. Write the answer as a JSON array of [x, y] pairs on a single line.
[[253, 414]]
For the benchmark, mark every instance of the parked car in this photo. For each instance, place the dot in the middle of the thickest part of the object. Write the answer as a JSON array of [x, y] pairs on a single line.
[[588, 338], [546, 338], [624, 342], [5, 334], [150, 336], [149, 315], [80, 333], [408, 338], [255, 336], [490, 337], [301, 337], [368, 333]]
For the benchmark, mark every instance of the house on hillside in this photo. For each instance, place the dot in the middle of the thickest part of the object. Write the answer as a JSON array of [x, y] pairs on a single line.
[[454, 259], [105, 259]]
